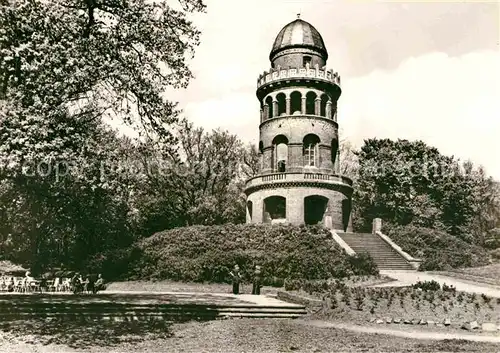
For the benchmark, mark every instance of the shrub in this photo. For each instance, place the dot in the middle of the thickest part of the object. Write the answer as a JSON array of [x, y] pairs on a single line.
[[495, 254], [362, 264], [207, 253], [448, 288], [119, 264], [427, 285], [438, 250]]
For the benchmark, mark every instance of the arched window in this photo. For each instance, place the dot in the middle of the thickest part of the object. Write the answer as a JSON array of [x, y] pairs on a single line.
[[249, 211], [346, 213], [335, 148], [324, 100], [306, 59], [295, 102], [280, 158], [311, 103], [310, 150], [261, 156], [269, 102], [281, 98]]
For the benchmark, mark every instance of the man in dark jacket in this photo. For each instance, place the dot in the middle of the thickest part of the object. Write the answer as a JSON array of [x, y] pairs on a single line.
[[236, 278], [257, 279]]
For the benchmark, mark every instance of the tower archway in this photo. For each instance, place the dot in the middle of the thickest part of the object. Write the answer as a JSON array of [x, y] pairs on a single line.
[[281, 98], [314, 209], [269, 103], [295, 102], [249, 211], [334, 150], [346, 213], [324, 101], [311, 103], [274, 208]]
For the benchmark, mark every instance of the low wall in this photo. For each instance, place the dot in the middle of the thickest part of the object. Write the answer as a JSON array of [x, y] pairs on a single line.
[[415, 263], [298, 299], [342, 243]]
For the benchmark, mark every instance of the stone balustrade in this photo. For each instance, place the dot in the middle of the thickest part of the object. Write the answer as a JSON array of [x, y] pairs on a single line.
[[300, 72], [297, 177]]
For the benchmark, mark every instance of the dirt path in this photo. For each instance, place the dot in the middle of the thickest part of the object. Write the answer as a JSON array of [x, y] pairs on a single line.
[[404, 334]]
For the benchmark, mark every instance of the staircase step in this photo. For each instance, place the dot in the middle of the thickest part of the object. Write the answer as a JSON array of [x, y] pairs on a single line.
[[257, 315], [382, 253]]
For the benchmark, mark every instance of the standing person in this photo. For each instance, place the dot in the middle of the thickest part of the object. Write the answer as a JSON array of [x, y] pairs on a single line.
[[76, 284], [257, 279], [91, 279], [236, 278]]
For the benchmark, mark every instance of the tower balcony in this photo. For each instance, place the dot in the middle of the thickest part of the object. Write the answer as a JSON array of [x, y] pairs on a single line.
[[275, 76], [322, 180]]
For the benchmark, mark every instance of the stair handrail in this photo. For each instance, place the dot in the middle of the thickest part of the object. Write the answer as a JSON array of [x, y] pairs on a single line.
[[342, 243], [412, 260]]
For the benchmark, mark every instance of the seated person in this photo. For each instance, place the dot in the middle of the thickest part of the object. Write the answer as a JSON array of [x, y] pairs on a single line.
[[99, 284], [91, 279], [11, 285], [43, 284], [76, 284]]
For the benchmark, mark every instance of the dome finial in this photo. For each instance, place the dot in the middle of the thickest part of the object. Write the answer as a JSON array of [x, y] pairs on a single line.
[[298, 15]]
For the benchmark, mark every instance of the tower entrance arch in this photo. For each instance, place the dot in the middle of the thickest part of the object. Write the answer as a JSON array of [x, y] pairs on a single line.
[[314, 209]]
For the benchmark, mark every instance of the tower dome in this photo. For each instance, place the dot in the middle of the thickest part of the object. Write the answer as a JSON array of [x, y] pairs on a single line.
[[299, 34]]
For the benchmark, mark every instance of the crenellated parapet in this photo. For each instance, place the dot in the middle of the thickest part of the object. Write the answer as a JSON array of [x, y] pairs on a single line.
[[306, 72]]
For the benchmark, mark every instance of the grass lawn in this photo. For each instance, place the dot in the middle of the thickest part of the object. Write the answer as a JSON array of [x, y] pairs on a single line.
[[245, 288], [171, 286], [249, 335]]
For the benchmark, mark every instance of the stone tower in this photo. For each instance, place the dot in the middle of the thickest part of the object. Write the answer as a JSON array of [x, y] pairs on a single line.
[[298, 181]]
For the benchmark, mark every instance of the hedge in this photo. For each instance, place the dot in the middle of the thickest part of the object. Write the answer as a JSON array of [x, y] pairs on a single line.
[[207, 253], [438, 249]]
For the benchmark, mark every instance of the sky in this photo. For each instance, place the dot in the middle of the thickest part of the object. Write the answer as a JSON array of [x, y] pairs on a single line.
[[412, 70]]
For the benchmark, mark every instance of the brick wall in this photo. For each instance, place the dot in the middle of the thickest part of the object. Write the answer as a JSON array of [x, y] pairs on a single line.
[[294, 57], [295, 203]]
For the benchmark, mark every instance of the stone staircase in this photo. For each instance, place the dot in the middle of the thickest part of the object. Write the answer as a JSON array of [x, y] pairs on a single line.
[[384, 255], [137, 308], [281, 312]]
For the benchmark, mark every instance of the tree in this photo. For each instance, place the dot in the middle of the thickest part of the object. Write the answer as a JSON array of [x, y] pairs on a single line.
[[67, 62], [201, 184], [250, 161], [349, 164], [67, 214], [65, 66], [407, 182]]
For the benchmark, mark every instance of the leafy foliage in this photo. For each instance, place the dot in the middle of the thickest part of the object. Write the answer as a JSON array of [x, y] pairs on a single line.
[[438, 249], [66, 67], [202, 185], [406, 182], [427, 285], [207, 253], [85, 59]]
